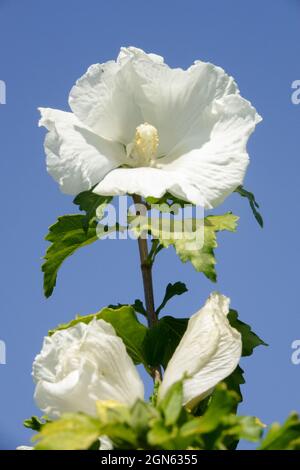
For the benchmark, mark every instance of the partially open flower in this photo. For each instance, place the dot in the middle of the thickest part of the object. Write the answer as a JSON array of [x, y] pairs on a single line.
[[140, 127], [81, 365], [208, 352]]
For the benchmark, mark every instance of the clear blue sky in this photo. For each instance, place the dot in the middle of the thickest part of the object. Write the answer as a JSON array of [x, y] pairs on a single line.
[[45, 47]]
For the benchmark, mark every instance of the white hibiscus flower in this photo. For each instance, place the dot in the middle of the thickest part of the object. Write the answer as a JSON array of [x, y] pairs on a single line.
[[138, 126], [81, 365], [86, 363]]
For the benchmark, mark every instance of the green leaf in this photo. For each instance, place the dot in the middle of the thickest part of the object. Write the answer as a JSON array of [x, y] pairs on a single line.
[[92, 204], [222, 403], [178, 288], [71, 432], [141, 415], [126, 325], [35, 423], [66, 237], [200, 408], [219, 428], [115, 419], [155, 249], [160, 437], [138, 307], [249, 339], [194, 242], [219, 223], [162, 339], [234, 381], [167, 200], [253, 204], [171, 404], [112, 412], [122, 436], [249, 428], [285, 437]]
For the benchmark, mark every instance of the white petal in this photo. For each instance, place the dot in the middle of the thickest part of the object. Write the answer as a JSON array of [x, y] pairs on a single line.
[[81, 365], [105, 97], [147, 181], [217, 167], [133, 52], [76, 157], [208, 352], [24, 448], [175, 100]]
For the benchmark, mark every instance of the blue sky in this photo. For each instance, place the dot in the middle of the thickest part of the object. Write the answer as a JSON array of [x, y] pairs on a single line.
[[45, 47]]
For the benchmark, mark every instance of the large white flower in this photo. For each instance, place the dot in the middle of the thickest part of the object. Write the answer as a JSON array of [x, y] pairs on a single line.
[[81, 365], [138, 126], [86, 363]]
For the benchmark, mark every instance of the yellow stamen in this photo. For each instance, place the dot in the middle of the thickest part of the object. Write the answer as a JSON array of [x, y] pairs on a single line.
[[143, 149]]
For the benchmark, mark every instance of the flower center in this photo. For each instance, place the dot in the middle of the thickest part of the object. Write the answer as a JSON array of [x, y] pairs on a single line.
[[143, 150]]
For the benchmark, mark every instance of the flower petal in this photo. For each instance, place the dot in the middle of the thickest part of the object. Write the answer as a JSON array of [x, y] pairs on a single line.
[[104, 98], [215, 168], [147, 181], [208, 352], [175, 100], [134, 52], [81, 365], [76, 157]]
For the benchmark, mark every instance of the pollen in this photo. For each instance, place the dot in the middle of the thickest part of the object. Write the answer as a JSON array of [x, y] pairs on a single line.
[[143, 150]]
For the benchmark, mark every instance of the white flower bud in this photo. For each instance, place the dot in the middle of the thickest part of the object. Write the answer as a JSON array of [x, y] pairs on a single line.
[[208, 352]]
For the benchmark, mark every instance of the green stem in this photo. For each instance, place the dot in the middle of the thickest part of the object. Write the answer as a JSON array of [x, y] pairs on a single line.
[[146, 268]]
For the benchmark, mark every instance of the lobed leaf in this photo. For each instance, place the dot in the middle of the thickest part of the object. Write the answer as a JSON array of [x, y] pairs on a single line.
[[66, 236], [194, 240], [250, 340], [172, 290], [92, 204]]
